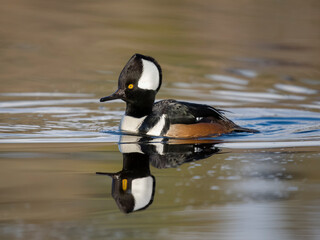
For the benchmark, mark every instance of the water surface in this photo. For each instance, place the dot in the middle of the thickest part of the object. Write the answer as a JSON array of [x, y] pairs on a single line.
[[259, 60]]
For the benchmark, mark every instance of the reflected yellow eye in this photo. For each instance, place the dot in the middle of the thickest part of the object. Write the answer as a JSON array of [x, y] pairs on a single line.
[[124, 184], [130, 86]]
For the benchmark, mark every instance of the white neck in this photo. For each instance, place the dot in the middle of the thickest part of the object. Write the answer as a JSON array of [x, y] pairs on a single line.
[[131, 124]]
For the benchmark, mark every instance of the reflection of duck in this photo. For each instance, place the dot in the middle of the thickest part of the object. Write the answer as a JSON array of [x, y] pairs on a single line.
[[138, 84], [164, 155], [133, 187]]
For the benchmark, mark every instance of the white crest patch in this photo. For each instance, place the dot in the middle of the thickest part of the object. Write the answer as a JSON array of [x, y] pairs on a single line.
[[141, 189], [150, 78]]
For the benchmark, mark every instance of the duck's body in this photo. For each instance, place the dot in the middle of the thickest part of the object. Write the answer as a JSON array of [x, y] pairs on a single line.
[[171, 118], [138, 84]]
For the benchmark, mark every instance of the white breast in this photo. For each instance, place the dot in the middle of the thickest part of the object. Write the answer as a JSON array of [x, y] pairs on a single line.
[[157, 129], [131, 124]]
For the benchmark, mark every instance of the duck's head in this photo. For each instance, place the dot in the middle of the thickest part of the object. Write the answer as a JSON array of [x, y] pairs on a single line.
[[138, 83]]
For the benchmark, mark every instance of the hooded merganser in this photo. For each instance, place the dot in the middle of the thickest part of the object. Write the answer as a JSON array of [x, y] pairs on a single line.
[[138, 84]]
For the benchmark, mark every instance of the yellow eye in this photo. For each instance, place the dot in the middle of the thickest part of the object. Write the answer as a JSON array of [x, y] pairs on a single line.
[[130, 86]]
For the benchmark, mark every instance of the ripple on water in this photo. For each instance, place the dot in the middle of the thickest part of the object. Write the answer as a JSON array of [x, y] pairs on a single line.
[[25, 103], [46, 94], [243, 72], [58, 122], [295, 89], [256, 96], [227, 79]]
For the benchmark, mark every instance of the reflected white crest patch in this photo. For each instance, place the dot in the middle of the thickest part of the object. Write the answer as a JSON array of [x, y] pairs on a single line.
[[142, 189], [150, 78]]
